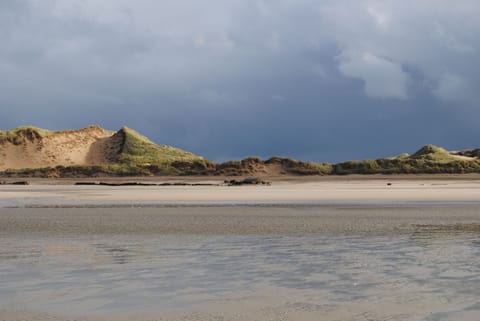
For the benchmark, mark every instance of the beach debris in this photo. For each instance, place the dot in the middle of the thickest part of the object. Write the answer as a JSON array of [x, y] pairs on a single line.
[[247, 181], [15, 183], [231, 182], [144, 184]]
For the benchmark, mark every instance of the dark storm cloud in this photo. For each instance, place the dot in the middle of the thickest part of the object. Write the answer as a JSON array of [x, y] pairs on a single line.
[[321, 80]]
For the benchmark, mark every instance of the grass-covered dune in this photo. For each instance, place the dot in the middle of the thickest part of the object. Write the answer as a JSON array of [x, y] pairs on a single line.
[[429, 159], [140, 156], [93, 151], [22, 134]]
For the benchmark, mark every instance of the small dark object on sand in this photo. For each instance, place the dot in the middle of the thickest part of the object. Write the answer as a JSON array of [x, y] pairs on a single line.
[[247, 181], [16, 183]]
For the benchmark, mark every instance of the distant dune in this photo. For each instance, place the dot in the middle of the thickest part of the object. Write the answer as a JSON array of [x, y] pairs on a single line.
[[93, 151]]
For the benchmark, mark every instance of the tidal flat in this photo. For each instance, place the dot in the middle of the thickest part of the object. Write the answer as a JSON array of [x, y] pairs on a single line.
[[241, 262]]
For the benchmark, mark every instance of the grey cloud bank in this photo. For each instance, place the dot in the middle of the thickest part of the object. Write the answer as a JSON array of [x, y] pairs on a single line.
[[318, 80]]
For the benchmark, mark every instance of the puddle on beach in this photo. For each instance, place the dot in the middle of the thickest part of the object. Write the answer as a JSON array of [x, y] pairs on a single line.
[[105, 274]]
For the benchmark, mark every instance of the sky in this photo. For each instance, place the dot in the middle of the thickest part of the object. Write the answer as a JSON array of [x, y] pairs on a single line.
[[320, 80]]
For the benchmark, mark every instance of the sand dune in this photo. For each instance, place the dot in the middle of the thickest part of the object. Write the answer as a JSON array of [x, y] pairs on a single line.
[[88, 146], [128, 153], [70, 153]]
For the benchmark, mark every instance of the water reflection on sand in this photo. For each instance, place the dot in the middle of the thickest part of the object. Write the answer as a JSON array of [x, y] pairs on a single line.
[[147, 273], [432, 273]]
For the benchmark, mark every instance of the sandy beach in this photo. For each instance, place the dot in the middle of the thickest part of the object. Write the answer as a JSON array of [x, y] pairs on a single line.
[[317, 249], [283, 190]]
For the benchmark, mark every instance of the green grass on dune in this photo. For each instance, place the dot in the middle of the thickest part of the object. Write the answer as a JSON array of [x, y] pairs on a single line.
[[470, 153], [21, 134], [434, 154], [139, 150], [286, 166], [292, 166], [429, 159]]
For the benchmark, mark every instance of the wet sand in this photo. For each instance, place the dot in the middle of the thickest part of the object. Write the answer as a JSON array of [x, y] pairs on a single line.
[[342, 250], [241, 220]]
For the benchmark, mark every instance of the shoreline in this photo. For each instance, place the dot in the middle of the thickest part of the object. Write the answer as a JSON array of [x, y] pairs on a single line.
[[221, 179]]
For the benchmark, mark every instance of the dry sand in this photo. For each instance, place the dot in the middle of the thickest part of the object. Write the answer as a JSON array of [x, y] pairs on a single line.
[[318, 190]]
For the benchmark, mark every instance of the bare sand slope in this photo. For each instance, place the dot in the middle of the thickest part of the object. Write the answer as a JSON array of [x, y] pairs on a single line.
[[87, 146]]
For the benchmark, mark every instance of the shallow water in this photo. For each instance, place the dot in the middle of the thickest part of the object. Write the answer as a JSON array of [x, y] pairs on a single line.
[[435, 271]]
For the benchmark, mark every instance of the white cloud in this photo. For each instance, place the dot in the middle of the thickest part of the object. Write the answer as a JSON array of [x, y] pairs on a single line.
[[432, 37], [381, 17], [383, 78], [450, 41]]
